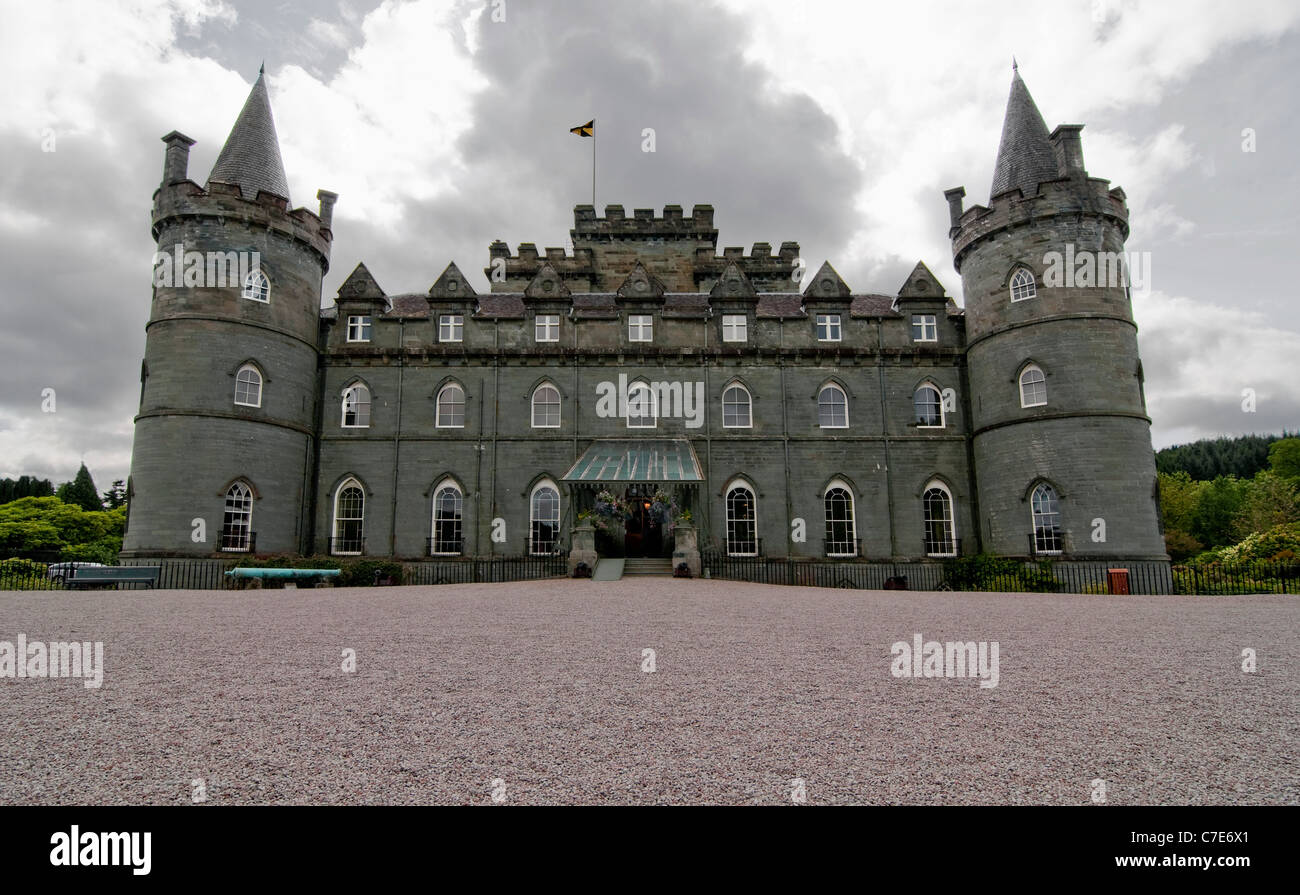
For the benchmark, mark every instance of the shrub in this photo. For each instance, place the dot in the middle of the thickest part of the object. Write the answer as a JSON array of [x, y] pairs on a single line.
[[362, 573], [1181, 545]]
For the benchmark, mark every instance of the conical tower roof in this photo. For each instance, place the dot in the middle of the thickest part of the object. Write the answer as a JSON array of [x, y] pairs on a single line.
[[1025, 155], [251, 156]]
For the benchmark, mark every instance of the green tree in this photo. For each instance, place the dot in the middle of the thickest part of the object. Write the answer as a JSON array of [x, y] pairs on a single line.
[[1180, 495], [1216, 511], [1268, 500], [115, 496], [1284, 458], [81, 491], [33, 525]]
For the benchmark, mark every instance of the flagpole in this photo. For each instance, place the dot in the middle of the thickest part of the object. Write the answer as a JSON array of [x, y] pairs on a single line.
[[593, 168]]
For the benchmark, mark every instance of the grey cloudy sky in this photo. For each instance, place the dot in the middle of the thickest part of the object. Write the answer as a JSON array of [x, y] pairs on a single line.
[[836, 124]]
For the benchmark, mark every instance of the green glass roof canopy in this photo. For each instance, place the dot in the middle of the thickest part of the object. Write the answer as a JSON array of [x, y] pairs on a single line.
[[637, 461]]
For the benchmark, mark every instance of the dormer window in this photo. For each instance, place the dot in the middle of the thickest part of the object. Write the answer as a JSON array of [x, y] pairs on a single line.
[[451, 328], [828, 327], [1023, 286], [256, 286], [358, 328], [640, 328], [924, 328]]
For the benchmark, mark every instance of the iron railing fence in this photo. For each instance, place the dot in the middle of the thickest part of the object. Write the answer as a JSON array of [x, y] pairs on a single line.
[[1096, 577], [209, 574]]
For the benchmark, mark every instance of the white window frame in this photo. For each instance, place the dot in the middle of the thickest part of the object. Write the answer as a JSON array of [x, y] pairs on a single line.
[[451, 328], [832, 323], [438, 412], [1047, 515], [356, 387], [345, 485], [459, 521], [257, 380], [637, 387], [748, 404], [257, 286], [735, 328], [844, 395], [928, 323], [840, 485], [943, 417], [243, 509], [359, 326], [534, 521], [546, 328], [1022, 285], [640, 327], [728, 521], [1041, 382], [951, 512], [556, 403]]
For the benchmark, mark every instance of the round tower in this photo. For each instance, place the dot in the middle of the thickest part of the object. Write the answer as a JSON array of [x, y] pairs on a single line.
[[225, 434], [1061, 439]]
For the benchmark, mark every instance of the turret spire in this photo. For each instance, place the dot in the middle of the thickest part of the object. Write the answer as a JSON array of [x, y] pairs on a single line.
[[251, 156], [1025, 154]]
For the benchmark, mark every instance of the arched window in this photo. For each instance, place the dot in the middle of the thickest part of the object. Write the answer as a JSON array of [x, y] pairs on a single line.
[[451, 407], [929, 407], [736, 407], [742, 523], [546, 407], [1033, 387], [256, 286], [1046, 513], [832, 408], [940, 534], [356, 407], [841, 534], [448, 512], [349, 519], [1022, 285], [248, 386], [641, 410], [544, 519], [237, 521]]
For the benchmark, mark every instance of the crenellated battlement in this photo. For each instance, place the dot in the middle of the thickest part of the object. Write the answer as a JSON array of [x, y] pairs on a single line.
[[266, 210], [1066, 196], [679, 250]]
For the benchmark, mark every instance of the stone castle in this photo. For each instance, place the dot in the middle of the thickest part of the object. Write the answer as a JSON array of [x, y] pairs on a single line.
[[791, 415]]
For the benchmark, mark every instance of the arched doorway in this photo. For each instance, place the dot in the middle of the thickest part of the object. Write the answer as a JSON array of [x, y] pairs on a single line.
[[643, 535]]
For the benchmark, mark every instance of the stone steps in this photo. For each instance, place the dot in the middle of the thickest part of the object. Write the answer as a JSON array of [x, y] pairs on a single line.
[[650, 566]]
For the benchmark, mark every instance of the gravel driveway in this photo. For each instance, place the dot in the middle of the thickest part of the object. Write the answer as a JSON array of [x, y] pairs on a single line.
[[535, 692]]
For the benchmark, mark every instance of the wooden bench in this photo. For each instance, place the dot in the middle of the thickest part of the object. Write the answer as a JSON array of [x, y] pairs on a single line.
[[95, 576]]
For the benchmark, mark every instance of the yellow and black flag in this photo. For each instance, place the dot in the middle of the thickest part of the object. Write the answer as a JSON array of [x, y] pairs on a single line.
[[585, 130]]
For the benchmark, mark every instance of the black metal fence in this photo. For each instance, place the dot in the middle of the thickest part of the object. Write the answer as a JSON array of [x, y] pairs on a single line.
[[209, 574], [1080, 577], [496, 568]]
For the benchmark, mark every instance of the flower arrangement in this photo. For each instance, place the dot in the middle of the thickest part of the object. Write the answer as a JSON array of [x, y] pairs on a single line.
[[610, 513]]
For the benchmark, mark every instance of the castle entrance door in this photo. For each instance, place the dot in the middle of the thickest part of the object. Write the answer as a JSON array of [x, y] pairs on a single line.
[[643, 535]]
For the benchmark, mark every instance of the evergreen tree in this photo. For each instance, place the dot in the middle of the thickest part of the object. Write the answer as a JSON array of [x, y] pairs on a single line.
[[81, 491], [115, 496], [24, 486]]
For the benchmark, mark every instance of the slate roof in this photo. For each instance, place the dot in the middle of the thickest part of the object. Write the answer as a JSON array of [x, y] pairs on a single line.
[[409, 304], [872, 305], [685, 304], [780, 305], [599, 306], [500, 306], [1025, 154], [251, 156]]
